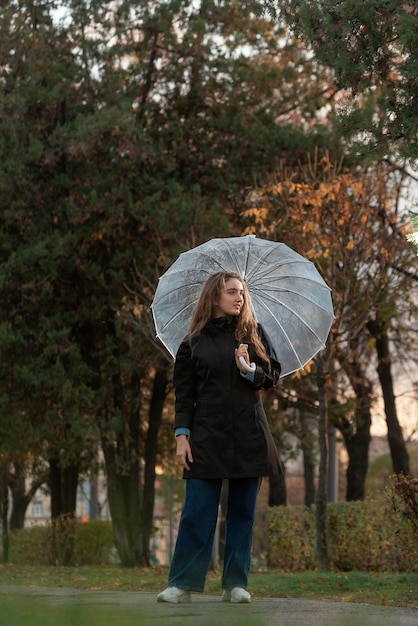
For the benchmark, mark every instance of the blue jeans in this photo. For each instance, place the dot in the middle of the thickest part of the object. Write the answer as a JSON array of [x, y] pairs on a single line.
[[197, 529]]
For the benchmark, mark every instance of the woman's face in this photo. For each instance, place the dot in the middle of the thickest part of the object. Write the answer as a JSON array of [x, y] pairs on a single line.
[[231, 300]]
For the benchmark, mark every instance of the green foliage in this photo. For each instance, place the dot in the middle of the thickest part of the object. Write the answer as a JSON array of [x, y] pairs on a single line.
[[94, 544], [129, 133], [91, 544], [365, 536], [372, 48], [31, 545], [292, 538]]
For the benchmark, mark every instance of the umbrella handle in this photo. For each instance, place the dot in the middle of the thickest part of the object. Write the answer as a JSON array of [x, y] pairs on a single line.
[[249, 368]]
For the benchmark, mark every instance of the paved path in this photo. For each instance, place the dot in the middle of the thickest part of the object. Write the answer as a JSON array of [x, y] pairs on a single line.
[[141, 609]]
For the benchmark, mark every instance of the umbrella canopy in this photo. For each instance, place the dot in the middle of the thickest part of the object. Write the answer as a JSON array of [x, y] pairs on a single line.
[[289, 298]]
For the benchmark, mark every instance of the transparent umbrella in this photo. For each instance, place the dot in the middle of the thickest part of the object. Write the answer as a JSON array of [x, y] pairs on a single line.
[[289, 297]]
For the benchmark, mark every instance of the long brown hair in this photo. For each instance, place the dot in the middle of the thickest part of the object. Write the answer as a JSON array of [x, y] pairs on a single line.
[[246, 330]]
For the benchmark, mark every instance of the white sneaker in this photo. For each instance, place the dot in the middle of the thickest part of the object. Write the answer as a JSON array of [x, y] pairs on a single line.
[[237, 595], [174, 594]]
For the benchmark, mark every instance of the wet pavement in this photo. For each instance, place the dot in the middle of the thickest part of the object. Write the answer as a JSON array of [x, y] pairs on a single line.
[[142, 609]]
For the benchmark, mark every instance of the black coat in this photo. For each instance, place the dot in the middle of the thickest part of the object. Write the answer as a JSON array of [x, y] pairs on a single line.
[[219, 406]]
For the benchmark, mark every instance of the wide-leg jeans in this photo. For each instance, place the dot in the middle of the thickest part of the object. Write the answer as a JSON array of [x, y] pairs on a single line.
[[193, 548]]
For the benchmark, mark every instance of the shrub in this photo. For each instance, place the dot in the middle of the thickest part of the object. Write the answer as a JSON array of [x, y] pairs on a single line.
[[403, 496], [94, 544], [88, 543], [291, 538], [365, 536], [31, 546]]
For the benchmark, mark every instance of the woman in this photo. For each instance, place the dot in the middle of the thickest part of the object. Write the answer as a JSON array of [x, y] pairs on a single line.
[[221, 433]]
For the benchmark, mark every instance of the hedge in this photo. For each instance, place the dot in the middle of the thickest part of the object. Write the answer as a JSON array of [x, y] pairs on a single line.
[[68, 544], [365, 536]]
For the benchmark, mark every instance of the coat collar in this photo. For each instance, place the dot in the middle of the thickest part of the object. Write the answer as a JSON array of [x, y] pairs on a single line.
[[215, 325]]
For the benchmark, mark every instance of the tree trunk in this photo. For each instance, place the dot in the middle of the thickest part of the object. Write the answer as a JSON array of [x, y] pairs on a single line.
[[123, 472], [357, 443], [277, 490], [308, 457], [94, 507], [94, 513], [126, 510], [63, 486], [4, 509], [308, 472], [20, 499], [119, 427], [159, 393], [70, 475], [55, 487], [357, 438], [321, 495], [398, 451]]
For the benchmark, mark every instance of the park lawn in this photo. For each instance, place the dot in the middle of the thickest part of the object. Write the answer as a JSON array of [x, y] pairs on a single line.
[[392, 589]]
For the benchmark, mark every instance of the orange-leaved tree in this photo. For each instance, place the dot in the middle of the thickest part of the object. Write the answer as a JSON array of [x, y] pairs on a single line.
[[349, 223]]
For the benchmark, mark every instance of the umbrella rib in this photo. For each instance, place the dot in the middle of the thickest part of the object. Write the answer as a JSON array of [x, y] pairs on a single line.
[[233, 254], [204, 254], [297, 293], [278, 263], [172, 319], [307, 279], [300, 318], [303, 364], [322, 345], [284, 333], [257, 264], [156, 302]]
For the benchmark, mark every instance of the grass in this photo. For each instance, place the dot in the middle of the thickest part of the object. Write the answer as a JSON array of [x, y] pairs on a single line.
[[392, 589], [76, 608]]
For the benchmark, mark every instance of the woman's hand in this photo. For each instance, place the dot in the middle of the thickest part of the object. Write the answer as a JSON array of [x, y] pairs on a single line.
[[242, 350], [184, 452]]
